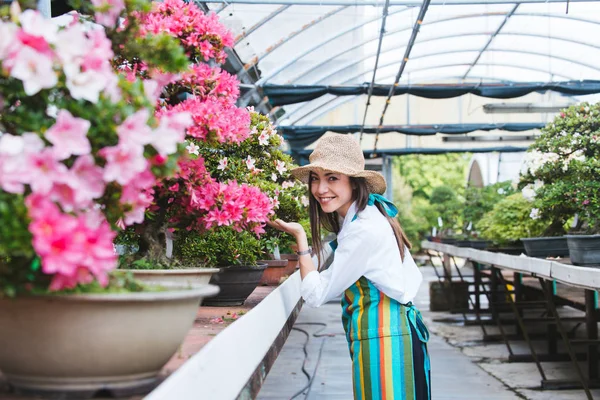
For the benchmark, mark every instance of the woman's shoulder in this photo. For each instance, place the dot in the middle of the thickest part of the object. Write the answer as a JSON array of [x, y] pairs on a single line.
[[370, 221]]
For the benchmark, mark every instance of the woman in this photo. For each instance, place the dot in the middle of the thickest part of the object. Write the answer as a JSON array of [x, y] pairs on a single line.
[[372, 268]]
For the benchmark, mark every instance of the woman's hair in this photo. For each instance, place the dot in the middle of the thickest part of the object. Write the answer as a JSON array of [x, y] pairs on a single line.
[[330, 221]]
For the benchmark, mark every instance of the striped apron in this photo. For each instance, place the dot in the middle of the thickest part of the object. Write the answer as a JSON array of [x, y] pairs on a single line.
[[387, 342], [388, 345]]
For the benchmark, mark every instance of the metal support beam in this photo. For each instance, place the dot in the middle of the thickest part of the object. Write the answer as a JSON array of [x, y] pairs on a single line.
[[260, 23], [270, 49], [381, 34], [491, 39]]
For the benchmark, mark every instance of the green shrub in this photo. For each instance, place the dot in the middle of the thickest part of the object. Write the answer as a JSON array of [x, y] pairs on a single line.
[[510, 220]]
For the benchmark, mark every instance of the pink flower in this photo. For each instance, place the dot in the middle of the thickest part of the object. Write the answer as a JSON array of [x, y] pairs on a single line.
[[86, 85], [107, 11], [69, 135], [123, 163], [8, 42], [34, 69], [44, 169], [138, 195], [134, 131], [586, 202]]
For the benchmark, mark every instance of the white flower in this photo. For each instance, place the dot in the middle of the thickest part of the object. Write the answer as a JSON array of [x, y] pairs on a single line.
[[72, 45], [280, 166], [7, 38], [86, 85], [288, 184], [11, 145], [250, 163], [250, 108], [192, 148], [274, 177], [535, 213], [500, 191], [528, 192], [34, 69], [304, 201], [263, 139], [222, 164]]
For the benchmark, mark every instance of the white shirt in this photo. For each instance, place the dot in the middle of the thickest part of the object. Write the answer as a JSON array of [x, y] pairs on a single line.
[[366, 247]]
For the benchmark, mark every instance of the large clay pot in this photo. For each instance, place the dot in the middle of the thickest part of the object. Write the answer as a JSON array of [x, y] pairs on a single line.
[[292, 263], [236, 283], [88, 342], [174, 277]]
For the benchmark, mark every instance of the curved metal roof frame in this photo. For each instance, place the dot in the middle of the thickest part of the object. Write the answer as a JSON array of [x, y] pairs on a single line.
[[441, 53], [504, 64], [324, 42], [405, 29], [292, 35], [259, 23]]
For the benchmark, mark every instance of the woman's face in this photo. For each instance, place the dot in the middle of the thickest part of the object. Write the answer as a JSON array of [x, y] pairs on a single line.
[[332, 190]]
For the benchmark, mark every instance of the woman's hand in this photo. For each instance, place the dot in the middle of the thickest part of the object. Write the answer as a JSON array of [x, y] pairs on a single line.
[[293, 228]]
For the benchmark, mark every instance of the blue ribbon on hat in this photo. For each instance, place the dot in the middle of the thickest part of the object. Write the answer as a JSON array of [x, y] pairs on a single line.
[[388, 206]]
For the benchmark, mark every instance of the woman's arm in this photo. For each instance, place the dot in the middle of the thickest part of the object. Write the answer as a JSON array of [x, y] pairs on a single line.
[[297, 231]]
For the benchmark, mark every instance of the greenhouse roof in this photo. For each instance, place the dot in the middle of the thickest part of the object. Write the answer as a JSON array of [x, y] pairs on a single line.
[[409, 42]]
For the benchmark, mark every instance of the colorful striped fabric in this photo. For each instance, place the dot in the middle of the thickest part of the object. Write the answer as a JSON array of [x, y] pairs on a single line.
[[387, 342]]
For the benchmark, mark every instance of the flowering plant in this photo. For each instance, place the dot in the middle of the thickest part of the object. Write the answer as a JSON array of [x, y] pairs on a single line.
[[217, 186], [561, 169], [257, 163], [80, 148]]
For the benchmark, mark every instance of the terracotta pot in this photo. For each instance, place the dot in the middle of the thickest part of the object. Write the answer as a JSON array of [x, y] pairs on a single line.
[[292, 262], [83, 343], [174, 277], [274, 272]]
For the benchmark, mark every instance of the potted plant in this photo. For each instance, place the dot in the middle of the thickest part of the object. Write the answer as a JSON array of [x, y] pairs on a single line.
[[509, 220], [560, 176], [79, 149], [215, 185]]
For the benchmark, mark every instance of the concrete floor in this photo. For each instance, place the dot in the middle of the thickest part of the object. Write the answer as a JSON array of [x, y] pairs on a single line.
[[463, 367]]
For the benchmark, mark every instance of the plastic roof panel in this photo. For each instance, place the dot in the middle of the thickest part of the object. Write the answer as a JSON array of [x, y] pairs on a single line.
[[337, 44]]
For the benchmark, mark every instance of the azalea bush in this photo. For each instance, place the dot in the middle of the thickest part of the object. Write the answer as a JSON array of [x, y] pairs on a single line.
[[81, 148], [561, 169], [231, 176]]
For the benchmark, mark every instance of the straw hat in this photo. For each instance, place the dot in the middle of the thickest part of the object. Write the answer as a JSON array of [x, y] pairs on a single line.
[[341, 154]]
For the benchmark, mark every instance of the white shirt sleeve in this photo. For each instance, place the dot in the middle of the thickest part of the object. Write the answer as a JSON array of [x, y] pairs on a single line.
[[350, 262]]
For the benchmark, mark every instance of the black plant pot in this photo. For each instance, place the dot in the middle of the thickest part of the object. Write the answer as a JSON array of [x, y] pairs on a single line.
[[479, 244], [543, 247], [515, 250], [463, 243], [449, 240], [236, 283], [584, 249]]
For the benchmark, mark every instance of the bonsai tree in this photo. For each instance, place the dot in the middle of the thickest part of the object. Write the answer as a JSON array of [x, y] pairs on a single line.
[[80, 147], [561, 169], [510, 219]]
